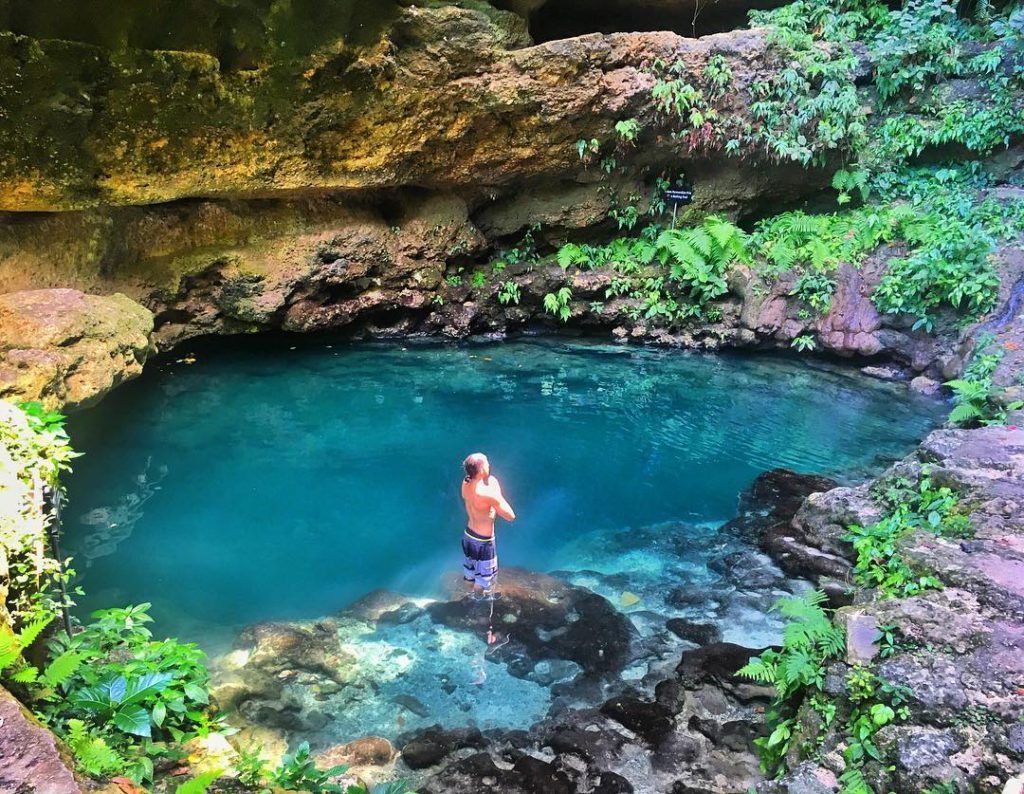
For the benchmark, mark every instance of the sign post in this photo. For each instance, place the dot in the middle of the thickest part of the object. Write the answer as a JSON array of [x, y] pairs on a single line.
[[678, 196]]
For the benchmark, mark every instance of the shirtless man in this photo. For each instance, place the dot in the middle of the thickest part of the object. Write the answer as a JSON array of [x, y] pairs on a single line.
[[482, 495]]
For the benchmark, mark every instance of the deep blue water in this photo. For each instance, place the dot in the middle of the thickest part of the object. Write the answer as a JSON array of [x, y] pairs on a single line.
[[266, 482]]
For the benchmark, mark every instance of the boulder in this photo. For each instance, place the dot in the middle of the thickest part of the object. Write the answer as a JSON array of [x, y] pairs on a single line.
[[367, 751], [31, 758], [650, 720], [428, 747], [68, 349], [773, 498]]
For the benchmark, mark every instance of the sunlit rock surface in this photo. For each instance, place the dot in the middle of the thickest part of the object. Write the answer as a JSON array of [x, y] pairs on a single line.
[[446, 97], [962, 654], [68, 349]]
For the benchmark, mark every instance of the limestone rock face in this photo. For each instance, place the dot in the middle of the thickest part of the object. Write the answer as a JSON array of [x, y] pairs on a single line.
[[31, 760], [445, 97], [67, 348], [962, 648]]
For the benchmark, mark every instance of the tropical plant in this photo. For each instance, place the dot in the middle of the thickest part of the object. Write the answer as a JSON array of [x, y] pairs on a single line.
[[846, 182], [252, 766], [815, 289], [557, 303], [92, 751], [586, 149], [298, 772], [200, 783], [36, 451], [804, 343], [919, 44], [628, 129], [810, 639], [508, 292], [699, 258], [121, 701]]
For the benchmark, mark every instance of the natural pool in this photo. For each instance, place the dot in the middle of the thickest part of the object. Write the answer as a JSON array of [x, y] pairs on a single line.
[[282, 480]]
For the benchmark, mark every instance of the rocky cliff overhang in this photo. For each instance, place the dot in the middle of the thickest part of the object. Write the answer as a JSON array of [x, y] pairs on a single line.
[[447, 98]]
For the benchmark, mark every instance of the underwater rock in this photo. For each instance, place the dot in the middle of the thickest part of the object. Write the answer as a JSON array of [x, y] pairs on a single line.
[[67, 349], [479, 774], [264, 679], [368, 751], [283, 648], [375, 604], [547, 618], [699, 633], [428, 747]]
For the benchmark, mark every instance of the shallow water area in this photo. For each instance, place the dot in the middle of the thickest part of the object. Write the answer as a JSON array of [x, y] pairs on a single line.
[[283, 481]]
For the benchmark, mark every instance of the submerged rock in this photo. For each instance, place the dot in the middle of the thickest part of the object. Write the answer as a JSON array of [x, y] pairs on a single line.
[[427, 748], [368, 751], [546, 618], [699, 633]]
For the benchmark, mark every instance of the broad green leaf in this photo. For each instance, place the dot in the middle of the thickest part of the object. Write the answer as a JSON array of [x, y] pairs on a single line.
[[133, 720]]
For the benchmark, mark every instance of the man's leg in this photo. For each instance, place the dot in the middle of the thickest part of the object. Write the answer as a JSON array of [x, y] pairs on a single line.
[[468, 564], [487, 570]]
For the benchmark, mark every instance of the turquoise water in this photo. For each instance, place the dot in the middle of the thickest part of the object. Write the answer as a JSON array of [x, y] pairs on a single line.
[[282, 481], [270, 482]]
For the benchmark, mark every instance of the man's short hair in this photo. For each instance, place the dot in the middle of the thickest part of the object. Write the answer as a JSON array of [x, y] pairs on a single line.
[[474, 464]]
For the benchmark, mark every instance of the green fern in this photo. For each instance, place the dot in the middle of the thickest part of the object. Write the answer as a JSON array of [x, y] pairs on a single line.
[[200, 783], [571, 254], [975, 403], [699, 258], [30, 633], [854, 782], [62, 668], [12, 646], [809, 641], [27, 675], [10, 649], [93, 753]]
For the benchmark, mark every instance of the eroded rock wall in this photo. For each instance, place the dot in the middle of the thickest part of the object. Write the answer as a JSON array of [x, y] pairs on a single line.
[[448, 98]]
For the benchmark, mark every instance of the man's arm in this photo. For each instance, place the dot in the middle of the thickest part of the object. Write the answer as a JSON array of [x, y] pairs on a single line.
[[501, 506]]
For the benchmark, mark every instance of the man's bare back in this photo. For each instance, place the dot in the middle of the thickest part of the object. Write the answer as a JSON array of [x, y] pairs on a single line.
[[484, 500]]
